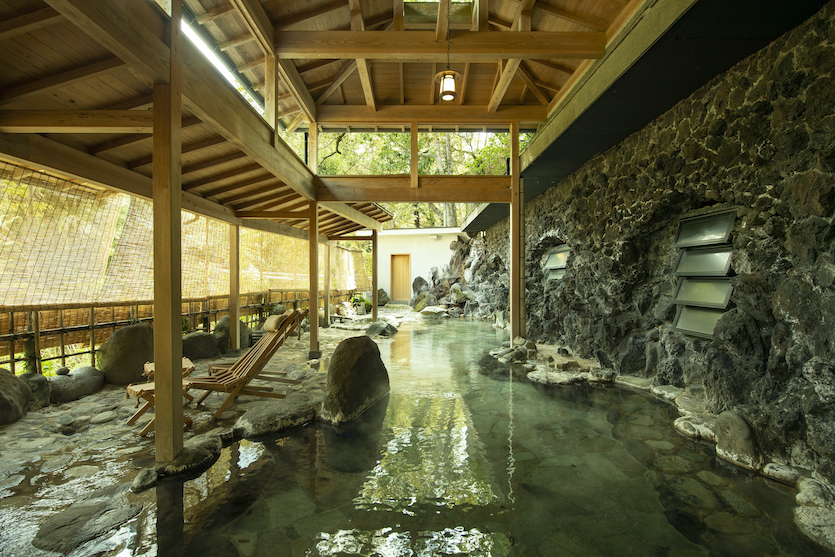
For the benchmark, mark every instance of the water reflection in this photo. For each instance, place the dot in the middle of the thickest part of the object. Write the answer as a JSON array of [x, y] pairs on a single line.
[[355, 446], [388, 542]]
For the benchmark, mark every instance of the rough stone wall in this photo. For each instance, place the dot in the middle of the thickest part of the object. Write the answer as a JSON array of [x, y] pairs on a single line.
[[759, 138]]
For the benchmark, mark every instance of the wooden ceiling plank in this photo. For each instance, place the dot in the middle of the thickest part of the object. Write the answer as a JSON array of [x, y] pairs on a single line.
[[341, 76], [251, 205], [27, 23], [223, 176], [272, 214], [466, 46], [528, 79], [187, 148], [326, 9], [212, 162], [568, 16], [553, 66], [436, 114], [258, 23], [76, 121], [261, 179], [246, 194], [262, 206], [136, 138], [60, 80], [133, 104], [440, 189], [131, 32], [214, 14]]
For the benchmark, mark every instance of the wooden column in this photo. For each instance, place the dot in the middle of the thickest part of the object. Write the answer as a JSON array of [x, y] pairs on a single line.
[[373, 275], [270, 94], [517, 244], [168, 341], [234, 287], [415, 154], [313, 241], [313, 147], [326, 290]]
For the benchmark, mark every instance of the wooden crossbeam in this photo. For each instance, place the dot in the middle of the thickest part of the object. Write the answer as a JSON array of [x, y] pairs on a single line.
[[214, 14], [340, 77], [442, 23], [435, 114], [531, 83], [63, 79], [258, 23], [294, 82], [466, 46], [441, 189], [232, 43], [76, 121], [136, 138], [27, 23]]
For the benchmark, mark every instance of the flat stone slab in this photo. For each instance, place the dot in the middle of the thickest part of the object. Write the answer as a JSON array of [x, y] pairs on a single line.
[[294, 410]]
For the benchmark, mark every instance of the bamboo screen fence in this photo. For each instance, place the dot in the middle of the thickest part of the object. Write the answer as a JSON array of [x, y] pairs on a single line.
[[78, 261]]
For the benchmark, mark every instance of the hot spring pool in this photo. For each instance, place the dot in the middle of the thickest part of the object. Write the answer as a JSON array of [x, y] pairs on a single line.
[[462, 459]]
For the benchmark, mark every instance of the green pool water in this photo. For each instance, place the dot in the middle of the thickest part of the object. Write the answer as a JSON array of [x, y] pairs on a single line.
[[467, 458]]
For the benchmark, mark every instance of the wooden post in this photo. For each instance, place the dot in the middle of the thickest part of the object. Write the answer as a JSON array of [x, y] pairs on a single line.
[[313, 316], [270, 87], [373, 276], [313, 147], [414, 165], [11, 342], [62, 338], [167, 192], [517, 256], [234, 287], [326, 291]]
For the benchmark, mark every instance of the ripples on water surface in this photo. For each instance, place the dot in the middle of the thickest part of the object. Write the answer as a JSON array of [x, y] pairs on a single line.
[[461, 460]]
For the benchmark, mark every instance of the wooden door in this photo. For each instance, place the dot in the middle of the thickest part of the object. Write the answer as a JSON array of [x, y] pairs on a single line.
[[401, 289]]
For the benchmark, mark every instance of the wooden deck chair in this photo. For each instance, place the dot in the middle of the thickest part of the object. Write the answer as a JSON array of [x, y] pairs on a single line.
[[235, 378]]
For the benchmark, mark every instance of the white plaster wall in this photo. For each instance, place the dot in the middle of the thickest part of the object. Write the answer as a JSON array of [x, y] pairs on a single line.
[[427, 247]]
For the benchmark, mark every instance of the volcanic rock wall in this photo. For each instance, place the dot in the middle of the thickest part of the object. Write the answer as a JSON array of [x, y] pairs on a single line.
[[761, 139]]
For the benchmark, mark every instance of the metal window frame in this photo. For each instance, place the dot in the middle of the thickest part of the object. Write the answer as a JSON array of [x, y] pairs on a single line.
[[711, 249], [694, 332], [714, 305], [729, 217]]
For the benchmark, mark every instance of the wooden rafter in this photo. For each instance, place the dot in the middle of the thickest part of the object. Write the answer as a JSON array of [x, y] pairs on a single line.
[[554, 66], [234, 43], [220, 190], [294, 82], [278, 193], [27, 23], [522, 22], [442, 22], [63, 79], [257, 22], [340, 77], [214, 161], [458, 189], [214, 14], [530, 82], [568, 16], [187, 148], [126, 140], [363, 67], [467, 46], [250, 193], [222, 176]]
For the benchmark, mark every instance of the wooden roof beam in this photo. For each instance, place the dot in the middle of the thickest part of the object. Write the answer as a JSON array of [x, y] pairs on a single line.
[[215, 161], [528, 79], [264, 205], [223, 176], [124, 141], [63, 79], [553, 66], [442, 23], [186, 148], [351, 214], [522, 22], [439, 189], [251, 205], [343, 74], [214, 14], [27, 23], [251, 193], [326, 9], [466, 46], [272, 214], [481, 15], [363, 68], [425, 114], [260, 179], [294, 82], [258, 23], [76, 121]]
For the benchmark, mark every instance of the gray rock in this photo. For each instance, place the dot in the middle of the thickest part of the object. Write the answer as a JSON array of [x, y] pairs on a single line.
[[200, 345], [781, 473], [14, 397], [222, 336], [79, 383], [812, 493], [103, 417], [63, 370], [277, 309], [817, 523], [199, 451], [357, 379], [123, 355], [382, 297], [292, 411], [145, 479], [85, 520], [431, 313], [735, 441], [419, 285], [40, 389], [381, 328]]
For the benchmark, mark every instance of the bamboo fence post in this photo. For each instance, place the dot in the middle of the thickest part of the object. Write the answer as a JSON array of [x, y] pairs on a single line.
[[36, 328], [93, 336], [11, 341], [62, 338]]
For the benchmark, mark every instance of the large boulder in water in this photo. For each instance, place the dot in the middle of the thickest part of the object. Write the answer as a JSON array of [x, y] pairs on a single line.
[[14, 397], [200, 345], [382, 297], [222, 335], [357, 378], [381, 328], [78, 383], [122, 357]]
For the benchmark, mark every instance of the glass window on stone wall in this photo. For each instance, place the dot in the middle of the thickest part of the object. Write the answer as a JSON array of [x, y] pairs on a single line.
[[703, 287], [554, 262]]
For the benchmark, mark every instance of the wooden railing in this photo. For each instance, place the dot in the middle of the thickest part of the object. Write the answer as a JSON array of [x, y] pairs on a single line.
[[31, 330]]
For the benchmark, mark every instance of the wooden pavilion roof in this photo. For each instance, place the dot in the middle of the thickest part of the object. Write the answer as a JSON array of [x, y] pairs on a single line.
[[77, 75]]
